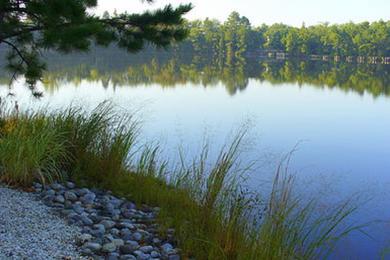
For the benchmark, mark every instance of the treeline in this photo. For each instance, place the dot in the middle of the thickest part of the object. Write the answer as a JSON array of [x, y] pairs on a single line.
[[236, 39]]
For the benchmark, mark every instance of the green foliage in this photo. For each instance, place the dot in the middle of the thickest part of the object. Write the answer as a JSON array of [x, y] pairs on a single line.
[[30, 149], [236, 38], [28, 27], [99, 142]]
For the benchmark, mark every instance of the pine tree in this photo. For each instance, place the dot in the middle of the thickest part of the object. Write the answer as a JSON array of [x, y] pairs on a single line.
[[30, 26]]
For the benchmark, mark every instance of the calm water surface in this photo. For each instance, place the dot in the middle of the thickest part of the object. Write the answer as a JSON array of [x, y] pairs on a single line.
[[340, 117]]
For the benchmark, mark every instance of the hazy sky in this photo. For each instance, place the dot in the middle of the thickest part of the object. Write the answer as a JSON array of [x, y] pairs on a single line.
[[292, 12]]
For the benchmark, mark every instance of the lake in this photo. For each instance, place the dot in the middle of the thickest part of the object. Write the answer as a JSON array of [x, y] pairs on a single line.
[[336, 115]]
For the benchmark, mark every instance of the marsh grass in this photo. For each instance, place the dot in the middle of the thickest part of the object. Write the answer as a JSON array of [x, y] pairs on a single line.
[[30, 149], [206, 202]]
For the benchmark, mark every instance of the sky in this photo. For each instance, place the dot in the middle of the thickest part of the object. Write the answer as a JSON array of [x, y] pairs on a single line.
[[292, 12]]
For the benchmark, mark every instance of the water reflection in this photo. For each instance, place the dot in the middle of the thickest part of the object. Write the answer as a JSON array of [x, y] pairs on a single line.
[[167, 71]]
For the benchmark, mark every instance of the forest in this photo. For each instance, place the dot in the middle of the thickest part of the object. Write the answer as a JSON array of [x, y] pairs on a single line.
[[236, 39]]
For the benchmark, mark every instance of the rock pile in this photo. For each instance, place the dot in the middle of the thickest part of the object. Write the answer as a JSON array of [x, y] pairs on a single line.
[[112, 228]]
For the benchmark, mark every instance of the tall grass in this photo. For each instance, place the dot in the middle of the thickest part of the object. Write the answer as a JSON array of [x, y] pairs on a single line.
[[30, 149], [214, 216], [100, 143]]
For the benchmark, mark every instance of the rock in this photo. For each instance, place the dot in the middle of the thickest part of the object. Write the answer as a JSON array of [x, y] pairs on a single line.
[[59, 199], [86, 251], [82, 192], [137, 236], [112, 256], [83, 238], [118, 242], [108, 238], [126, 234], [66, 212], [156, 241], [86, 220], [86, 230], [154, 254], [128, 205], [108, 223], [78, 208], [108, 248], [127, 257], [69, 195], [97, 233], [166, 248], [70, 185], [68, 204], [126, 225], [57, 186], [174, 257], [88, 198], [49, 192], [127, 214], [99, 227], [129, 247], [146, 249], [94, 247], [141, 255], [115, 232]]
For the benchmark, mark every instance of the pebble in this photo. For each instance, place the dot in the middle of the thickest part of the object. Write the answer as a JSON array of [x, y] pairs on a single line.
[[146, 249], [95, 247], [109, 247], [112, 228], [70, 196]]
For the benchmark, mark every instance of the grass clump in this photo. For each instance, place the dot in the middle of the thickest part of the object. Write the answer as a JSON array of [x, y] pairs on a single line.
[[30, 149], [213, 214]]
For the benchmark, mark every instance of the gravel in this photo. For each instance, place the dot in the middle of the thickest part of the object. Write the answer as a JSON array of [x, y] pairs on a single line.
[[31, 230], [62, 221]]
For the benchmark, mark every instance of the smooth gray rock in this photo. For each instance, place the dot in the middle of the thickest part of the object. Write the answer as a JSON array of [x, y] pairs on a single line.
[[78, 208], [88, 198], [82, 192], [155, 254], [115, 232], [70, 195], [112, 256], [127, 257], [83, 238], [59, 199], [95, 247], [108, 223], [141, 255], [109, 247], [57, 186], [166, 248], [174, 257], [137, 236], [86, 220], [146, 249], [118, 242], [70, 185], [129, 248]]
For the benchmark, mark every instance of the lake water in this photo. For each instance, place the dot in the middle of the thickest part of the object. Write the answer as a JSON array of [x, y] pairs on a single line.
[[338, 114]]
